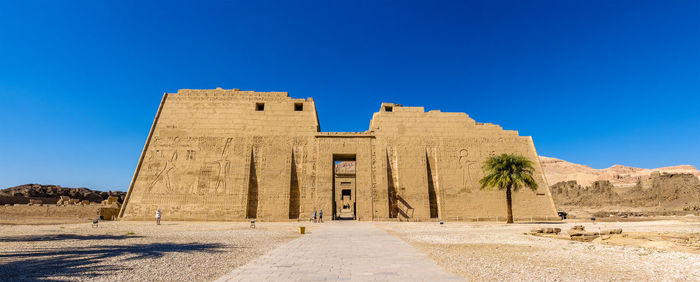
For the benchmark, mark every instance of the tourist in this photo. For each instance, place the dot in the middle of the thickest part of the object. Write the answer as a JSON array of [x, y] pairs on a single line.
[[158, 214], [314, 216], [320, 216]]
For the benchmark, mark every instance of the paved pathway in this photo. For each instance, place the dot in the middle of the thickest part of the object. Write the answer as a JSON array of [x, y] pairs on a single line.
[[354, 251]]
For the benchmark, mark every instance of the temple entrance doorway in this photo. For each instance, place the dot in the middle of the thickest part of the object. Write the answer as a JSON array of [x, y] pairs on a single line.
[[344, 187]]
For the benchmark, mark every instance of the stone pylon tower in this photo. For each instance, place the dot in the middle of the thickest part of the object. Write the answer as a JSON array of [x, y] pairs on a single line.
[[231, 155]]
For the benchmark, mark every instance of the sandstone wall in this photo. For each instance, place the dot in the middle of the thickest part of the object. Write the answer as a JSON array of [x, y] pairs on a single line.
[[335, 146], [231, 155], [203, 146], [73, 211], [454, 147]]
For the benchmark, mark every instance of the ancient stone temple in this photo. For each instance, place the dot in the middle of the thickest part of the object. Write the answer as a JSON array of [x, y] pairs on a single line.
[[233, 155]]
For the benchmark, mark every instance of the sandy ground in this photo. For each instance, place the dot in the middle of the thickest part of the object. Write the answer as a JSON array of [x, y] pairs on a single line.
[[129, 251], [17, 220], [496, 251], [203, 251]]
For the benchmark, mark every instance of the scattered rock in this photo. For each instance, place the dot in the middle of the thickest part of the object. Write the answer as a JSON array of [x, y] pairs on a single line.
[[51, 194], [578, 233], [545, 231], [664, 193]]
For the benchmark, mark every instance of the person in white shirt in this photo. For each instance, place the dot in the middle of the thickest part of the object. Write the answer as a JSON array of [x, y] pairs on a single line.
[[158, 214]]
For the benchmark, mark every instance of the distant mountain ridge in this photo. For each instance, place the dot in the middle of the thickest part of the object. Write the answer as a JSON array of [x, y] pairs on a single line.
[[557, 170]]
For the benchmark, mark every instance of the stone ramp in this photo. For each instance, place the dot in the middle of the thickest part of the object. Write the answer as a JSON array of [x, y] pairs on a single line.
[[354, 251]]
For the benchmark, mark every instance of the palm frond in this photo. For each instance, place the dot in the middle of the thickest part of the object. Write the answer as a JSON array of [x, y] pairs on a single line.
[[508, 170]]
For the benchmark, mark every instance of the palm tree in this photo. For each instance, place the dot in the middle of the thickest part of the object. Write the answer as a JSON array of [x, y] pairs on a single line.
[[509, 172]]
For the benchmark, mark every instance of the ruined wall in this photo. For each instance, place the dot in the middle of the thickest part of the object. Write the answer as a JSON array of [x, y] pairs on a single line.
[[50, 211], [433, 160]]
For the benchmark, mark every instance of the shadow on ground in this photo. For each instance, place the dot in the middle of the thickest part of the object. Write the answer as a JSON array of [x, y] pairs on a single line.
[[60, 237], [86, 262]]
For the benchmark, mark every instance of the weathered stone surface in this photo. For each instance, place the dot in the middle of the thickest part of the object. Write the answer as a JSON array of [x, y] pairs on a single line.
[[35, 202], [600, 192], [578, 233], [231, 155], [50, 194], [108, 213], [548, 230], [111, 200], [49, 211], [667, 192]]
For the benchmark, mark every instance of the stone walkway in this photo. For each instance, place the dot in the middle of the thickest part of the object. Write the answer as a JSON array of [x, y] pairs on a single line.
[[349, 250]]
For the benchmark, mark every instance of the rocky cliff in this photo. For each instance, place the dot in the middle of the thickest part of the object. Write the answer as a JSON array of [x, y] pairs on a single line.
[[667, 192], [571, 193], [50, 194], [557, 170]]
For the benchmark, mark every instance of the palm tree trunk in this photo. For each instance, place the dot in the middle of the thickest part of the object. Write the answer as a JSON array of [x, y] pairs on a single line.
[[509, 205]]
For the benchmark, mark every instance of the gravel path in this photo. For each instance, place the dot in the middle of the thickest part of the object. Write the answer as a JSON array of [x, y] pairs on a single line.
[[129, 251], [495, 251]]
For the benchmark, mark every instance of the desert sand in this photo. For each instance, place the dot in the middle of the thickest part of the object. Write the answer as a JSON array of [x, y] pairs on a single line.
[[128, 251], [495, 251], [134, 251]]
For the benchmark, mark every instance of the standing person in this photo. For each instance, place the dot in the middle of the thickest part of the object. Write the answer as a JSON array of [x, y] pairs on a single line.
[[158, 214], [314, 216], [320, 216]]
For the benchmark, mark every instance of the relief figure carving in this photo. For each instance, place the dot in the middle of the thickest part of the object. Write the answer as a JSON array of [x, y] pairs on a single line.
[[164, 177], [466, 166], [224, 166]]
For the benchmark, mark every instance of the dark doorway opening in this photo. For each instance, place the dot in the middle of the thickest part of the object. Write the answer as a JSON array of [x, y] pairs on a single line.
[[344, 187]]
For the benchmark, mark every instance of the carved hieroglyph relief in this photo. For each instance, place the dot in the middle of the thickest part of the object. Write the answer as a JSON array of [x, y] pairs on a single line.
[[162, 182], [224, 166], [468, 167]]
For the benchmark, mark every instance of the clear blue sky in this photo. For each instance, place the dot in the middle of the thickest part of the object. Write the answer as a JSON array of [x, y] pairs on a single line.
[[594, 82]]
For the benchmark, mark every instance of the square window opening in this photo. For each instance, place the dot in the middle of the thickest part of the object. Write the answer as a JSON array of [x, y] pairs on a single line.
[[388, 108], [259, 106], [298, 107]]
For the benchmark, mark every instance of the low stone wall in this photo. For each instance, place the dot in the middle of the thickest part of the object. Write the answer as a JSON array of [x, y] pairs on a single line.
[[72, 211]]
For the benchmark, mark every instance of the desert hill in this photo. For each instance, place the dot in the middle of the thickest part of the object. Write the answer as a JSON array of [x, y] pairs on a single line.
[[623, 189], [50, 194], [557, 170]]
